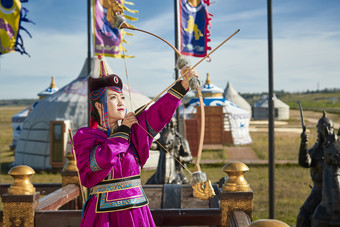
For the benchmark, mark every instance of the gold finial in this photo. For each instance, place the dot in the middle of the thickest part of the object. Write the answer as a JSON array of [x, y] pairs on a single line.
[[71, 164], [194, 3], [208, 79], [53, 83], [22, 183], [236, 181]]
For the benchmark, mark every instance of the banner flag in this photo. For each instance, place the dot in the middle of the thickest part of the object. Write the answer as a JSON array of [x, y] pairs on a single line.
[[11, 16], [107, 40], [194, 26]]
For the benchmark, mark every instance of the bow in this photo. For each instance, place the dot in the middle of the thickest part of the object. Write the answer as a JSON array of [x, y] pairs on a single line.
[[202, 188]]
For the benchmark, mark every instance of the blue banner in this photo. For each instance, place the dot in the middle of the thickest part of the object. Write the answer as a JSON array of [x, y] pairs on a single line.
[[194, 28]]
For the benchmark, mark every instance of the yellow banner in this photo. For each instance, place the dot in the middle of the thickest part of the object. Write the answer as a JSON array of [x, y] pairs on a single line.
[[9, 25]]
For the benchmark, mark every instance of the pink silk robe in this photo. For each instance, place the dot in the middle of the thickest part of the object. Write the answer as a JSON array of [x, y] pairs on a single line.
[[115, 157]]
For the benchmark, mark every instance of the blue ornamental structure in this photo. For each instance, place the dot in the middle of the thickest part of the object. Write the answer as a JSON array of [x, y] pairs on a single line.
[[226, 123]]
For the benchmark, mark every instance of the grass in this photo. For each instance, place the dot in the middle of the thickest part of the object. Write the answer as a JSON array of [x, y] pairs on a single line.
[[6, 156], [214, 155], [316, 101], [283, 150], [313, 100], [291, 181]]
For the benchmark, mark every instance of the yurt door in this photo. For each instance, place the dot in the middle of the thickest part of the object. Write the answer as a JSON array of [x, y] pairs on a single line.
[[58, 142]]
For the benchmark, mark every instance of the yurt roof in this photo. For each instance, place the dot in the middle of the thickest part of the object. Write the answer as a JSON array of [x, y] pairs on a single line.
[[213, 96], [232, 95], [50, 90], [228, 106], [263, 102], [19, 117], [209, 89]]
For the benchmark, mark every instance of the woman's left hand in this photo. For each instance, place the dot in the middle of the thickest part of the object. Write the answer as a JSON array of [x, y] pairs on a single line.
[[129, 119], [186, 78]]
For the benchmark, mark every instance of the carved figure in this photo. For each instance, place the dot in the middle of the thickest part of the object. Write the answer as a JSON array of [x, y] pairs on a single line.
[[314, 159], [168, 170], [327, 212]]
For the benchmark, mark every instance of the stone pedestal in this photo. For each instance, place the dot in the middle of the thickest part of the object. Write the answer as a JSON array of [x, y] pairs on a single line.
[[19, 209], [235, 194], [21, 201]]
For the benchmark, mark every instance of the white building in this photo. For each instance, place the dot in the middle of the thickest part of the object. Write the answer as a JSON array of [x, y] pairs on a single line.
[[226, 123], [281, 109]]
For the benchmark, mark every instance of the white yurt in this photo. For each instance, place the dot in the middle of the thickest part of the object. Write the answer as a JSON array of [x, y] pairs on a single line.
[[233, 96], [18, 118], [281, 109], [44, 138], [17, 123], [226, 122]]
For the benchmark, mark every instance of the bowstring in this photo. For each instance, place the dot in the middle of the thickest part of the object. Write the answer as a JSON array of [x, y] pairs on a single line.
[[127, 78], [165, 149]]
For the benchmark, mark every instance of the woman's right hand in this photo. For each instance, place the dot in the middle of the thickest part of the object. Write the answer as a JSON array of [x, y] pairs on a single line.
[[129, 119]]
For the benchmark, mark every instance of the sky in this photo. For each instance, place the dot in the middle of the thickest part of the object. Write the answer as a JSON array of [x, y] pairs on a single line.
[[306, 47]]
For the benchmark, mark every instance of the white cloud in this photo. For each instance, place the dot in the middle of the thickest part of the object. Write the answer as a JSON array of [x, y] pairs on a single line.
[[305, 52]]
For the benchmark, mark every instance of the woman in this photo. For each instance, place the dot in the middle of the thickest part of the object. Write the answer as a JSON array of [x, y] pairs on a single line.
[[109, 155]]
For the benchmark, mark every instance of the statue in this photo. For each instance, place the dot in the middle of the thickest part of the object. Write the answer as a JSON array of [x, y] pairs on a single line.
[[327, 212], [169, 171], [314, 159]]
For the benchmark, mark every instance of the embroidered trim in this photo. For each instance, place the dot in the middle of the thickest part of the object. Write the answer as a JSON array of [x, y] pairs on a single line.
[[110, 206], [93, 163], [175, 93], [119, 131], [116, 185], [123, 135], [177, 90], [152, 132], [135, 154]]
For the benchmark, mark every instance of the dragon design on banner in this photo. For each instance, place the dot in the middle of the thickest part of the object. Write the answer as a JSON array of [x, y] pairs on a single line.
[[108, 40]]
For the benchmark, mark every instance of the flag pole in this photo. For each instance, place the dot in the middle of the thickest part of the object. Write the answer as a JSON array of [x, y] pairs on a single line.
[[176, 35], [271, 143], [176, 57], [88, 59]]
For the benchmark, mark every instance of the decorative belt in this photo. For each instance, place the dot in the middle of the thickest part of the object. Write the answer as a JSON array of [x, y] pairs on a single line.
[[119, 194], [116, 185]]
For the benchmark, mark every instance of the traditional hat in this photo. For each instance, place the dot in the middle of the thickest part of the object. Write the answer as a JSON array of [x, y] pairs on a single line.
[[104, 80], [98, 87]]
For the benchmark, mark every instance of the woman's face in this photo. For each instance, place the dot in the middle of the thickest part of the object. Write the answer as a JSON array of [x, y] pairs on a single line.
[[116, 106]]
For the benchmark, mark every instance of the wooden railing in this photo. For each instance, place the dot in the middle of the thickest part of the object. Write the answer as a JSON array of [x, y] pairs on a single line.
[[171, 205], [43, 188], [60, 198]]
